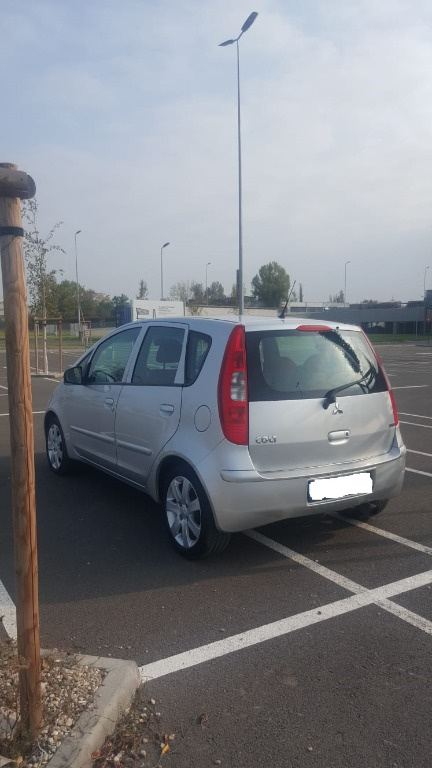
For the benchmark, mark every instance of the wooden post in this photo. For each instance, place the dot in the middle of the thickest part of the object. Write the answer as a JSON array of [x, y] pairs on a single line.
[[15, 185]]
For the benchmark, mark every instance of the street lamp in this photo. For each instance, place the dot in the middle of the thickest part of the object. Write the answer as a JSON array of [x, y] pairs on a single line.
[[424, 281], [248, 23], [77, 282], [347, 262], [207, 266], [162, 291]]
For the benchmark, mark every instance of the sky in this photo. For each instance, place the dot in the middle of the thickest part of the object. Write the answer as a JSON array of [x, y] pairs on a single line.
[[125, 115]]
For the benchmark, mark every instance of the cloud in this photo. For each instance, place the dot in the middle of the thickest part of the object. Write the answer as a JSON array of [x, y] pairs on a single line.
[[126, 115]]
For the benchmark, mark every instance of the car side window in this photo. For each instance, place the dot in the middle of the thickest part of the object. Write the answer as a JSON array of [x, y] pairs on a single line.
[[197, 350], [159, 356], [109, 361]]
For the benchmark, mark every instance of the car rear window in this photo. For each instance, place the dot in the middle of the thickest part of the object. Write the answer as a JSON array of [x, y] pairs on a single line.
[[295, 365]]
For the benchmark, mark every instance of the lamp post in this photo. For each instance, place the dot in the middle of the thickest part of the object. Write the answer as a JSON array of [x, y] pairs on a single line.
[[77, 282], [347, 262], [207, 266], [424, 282], [248, 23], [162, 291]]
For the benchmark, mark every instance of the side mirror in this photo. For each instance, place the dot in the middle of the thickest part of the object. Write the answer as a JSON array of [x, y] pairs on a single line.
[[73, 375]]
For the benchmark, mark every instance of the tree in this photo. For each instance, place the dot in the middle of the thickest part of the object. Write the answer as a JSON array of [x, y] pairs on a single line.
[[142, 290], [120, 301], [337, 298], [216, 293], [197, 293], [271, 285], [41, 283], [181, 292]]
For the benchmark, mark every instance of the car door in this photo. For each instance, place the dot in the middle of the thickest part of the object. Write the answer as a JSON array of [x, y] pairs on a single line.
[[91, 406], [148, 411]]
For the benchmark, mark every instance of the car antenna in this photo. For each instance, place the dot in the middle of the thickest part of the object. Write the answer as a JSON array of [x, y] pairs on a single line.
[[282, 314]]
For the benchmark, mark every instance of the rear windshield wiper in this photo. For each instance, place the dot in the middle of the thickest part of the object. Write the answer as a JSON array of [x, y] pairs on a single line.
[[330, 396]]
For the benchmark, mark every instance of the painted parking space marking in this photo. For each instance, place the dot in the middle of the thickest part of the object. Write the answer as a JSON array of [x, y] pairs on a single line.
[[378, 596], [35, 413], [8, 612], [415, 415], [418, 472], [412, 386], [386, 534], [420, 453], [414, 424]]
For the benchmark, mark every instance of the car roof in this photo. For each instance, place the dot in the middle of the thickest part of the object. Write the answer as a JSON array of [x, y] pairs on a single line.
[[250, 322]]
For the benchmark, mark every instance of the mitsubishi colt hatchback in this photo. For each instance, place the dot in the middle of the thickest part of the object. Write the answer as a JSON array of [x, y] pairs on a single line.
[[232, 423]]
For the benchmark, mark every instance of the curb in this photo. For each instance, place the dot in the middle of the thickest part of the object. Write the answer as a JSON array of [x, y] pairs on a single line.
[[91, 729]]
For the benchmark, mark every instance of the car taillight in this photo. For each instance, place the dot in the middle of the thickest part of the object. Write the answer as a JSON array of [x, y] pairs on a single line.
[[233, 389], [386, 379]]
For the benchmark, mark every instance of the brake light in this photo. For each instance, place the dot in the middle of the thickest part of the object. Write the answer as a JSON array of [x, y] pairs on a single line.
[[316, 328], [386, 379], [233, 389]]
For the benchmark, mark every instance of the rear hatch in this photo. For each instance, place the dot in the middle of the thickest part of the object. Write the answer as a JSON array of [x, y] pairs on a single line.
[[317, 397]]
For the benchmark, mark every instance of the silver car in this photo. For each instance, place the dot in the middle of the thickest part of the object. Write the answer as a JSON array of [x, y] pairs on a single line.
[[232, 424]]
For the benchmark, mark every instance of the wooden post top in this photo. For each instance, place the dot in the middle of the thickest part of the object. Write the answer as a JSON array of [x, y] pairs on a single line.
[[15, 183]]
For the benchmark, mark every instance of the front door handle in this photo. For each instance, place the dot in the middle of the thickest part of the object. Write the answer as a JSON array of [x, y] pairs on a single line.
[[109, 403]]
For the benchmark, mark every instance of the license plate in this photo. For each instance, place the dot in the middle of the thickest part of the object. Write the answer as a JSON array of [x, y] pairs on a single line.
[[340, 487]]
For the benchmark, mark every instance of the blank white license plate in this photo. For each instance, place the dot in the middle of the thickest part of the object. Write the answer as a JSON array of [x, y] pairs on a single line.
[[339, 487]]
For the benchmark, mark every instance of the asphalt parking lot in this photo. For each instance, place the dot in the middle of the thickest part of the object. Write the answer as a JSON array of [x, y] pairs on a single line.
[[306, 643]]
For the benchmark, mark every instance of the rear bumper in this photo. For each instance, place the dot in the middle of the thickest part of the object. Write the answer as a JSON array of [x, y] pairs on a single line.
[[243, 499]]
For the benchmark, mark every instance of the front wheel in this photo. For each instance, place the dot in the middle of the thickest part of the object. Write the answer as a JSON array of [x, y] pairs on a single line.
[[57, 456], [188, 515]]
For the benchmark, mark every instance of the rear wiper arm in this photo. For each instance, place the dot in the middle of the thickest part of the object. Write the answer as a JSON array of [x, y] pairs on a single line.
[[330, 396]]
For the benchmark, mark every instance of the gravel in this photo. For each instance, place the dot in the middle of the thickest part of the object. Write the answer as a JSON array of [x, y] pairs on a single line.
[[67, 690]]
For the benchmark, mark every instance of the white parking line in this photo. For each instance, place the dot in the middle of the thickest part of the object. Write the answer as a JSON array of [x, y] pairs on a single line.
[[7, 612], [421, 453], [35, 413], [387, 535], [252, 637], [412, 386], [413, 424], [418, 472], [415, 415]]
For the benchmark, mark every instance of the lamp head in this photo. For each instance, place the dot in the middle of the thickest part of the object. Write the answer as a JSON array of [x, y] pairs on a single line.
[[249, 21]]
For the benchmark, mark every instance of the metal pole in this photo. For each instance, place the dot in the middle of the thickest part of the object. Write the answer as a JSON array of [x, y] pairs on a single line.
[[345, 302], [207, 265], [161, 257], [77, 282], [240, 256], [240, 290]]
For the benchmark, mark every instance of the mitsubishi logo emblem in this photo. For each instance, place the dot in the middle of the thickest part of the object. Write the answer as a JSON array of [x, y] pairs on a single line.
[[337, 408]]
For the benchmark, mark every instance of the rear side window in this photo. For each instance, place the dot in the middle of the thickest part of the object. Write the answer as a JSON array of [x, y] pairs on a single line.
[[295, 365], [159, 356], [197, 350]]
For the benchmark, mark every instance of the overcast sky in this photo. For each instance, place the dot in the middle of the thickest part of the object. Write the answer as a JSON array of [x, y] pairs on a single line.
[[125, 114]]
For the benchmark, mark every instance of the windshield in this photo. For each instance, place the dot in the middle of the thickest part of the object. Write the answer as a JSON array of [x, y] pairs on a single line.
[[300, 364]]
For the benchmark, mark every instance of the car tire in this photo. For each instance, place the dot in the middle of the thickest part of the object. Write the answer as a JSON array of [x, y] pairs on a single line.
[[188, 515], [375, 507], [56, 451]]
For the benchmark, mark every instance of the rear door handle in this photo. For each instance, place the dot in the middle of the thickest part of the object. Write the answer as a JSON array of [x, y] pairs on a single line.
[[109, 403], [166, 408]]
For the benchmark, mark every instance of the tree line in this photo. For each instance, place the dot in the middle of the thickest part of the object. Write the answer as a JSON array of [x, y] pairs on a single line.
[[50, 296]]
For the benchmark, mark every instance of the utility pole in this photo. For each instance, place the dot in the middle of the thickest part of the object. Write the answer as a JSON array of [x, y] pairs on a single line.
[[15, 185]]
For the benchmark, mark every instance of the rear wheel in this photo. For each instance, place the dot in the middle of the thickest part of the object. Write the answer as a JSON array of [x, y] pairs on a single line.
[[58, 459], [189, 518]]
